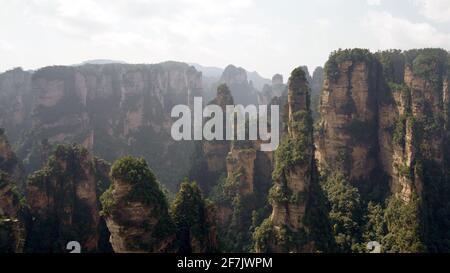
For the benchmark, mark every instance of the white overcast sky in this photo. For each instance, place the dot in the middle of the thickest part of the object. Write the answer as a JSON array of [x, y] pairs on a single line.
[[266, 36]]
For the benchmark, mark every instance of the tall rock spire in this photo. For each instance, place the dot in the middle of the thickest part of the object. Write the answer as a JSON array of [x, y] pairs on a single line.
[[286, 229]]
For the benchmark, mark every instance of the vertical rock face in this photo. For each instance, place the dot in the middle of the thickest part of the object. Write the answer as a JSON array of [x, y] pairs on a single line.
[[15, 101], [385, 119], [9, 163], [317, 80], [278, 85], [136, 210], [241, 196], [243, 175], [234, 75], [256, 80], [295, 179], [307, 74], [241, 89], [237, 175], [415, 155], [100, 106], [223, 97], [209, 159], [216, 151], [277, 79], [412, 118], [277, 89], [12, 230], [242, 161], [316, 90], [195, 221], [347, 134], [63, 202], [285, 230], [385, 111]]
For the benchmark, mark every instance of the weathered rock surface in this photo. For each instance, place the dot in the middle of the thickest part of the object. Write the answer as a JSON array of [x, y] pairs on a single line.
[[385, 121], [347, 135], [100, 106], [209, 158], [237, 81], [292, 176], [277, 89], [63, 202], [15, 102], [136, 210]]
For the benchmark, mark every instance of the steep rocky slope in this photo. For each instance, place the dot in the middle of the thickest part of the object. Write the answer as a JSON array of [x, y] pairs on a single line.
[[241, 195], [269, 91], [195, 221], [12, 228], [295, 178], [381, 144], [316, 91], [415, 156], [63, 202], [237, 175], [136, 210], [241, 88], [384, 121], [114, 105], [9, 162], [209, 157], [347, 135], [15, 102]]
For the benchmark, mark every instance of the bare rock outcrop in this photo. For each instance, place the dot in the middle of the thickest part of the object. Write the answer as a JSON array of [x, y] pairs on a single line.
[[15, 102], [99, 106], [347, 134], [209, 159]]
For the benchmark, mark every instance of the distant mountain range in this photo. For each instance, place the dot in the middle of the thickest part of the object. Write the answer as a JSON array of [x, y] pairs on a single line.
[[101, 61]]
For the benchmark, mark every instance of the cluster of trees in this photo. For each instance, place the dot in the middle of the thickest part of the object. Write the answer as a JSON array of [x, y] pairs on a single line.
[[356, 220]]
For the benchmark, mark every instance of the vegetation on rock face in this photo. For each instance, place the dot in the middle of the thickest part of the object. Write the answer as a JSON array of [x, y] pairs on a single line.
[[11, 220], [192, 220], [332, 69], [394, 223], [247, 212], [12, 203], [107, 201], [267, 235], [345, 211], [392, 64], [403, 227], [80, 112], [375, 227], [294, 151], [361, 131], [400, 131], [68, 214], [136, 172], [400, 225], [144, 188], [431, 64], [341, 215]]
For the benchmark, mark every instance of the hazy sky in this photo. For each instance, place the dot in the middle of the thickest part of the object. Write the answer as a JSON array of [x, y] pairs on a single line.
[[266, 36]]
